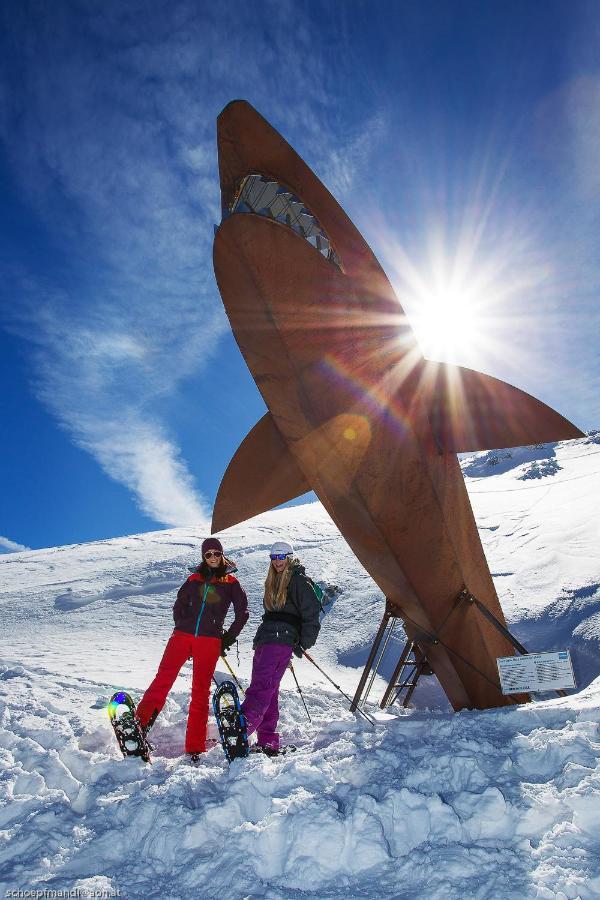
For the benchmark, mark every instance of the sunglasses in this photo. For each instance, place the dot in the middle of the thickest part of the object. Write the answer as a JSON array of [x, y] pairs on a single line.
[[279, 556], [210, 553]]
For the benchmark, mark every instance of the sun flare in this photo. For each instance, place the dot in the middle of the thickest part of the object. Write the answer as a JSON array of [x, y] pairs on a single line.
[[471, 293], [457, 304], [447, 322]]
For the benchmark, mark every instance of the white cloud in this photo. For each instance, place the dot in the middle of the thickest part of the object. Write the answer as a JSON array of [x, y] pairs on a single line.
[[8, 546], [138, 454]]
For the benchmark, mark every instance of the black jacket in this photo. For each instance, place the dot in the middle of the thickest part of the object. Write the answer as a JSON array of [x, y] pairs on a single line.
[[201, 606], [298, 621]]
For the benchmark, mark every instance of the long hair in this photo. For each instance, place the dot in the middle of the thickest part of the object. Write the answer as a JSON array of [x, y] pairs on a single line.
[[208, 572], [276, 585]]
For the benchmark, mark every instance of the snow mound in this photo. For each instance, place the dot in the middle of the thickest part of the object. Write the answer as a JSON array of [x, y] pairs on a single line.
[[494, 804]]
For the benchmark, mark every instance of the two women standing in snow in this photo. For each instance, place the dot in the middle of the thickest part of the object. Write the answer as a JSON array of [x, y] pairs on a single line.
[[290, 624], [199, 614]]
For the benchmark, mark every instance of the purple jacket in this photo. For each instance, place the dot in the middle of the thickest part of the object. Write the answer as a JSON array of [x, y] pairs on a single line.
[[201, 606]]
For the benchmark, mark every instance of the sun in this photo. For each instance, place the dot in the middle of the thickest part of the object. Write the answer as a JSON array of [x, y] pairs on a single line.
[[469, 302], [452, 296], [447, 322], [455, 304]]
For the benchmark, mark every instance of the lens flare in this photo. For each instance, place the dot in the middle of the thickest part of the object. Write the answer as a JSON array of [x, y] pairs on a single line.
[[120, 699]]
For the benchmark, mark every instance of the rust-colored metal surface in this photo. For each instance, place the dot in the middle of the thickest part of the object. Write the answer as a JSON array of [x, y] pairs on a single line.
[[355, 412]]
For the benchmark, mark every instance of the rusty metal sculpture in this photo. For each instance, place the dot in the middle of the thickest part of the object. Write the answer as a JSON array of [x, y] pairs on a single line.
[[355, 412]]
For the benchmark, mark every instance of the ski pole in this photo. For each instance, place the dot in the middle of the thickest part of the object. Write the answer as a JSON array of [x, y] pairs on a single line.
[[300, 691], [310, 659], [232, 673]]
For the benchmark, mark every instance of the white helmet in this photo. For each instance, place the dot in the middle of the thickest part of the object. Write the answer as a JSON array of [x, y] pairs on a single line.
[[281, 547]]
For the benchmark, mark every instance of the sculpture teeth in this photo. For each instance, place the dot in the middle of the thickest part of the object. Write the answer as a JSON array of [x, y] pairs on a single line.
[[258, 195]]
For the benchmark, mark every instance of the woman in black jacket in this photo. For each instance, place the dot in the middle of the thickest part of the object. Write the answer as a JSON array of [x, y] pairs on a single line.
[[290, 623], [199, 614]]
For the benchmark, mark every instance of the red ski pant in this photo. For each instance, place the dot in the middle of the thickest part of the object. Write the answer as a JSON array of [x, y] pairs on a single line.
[[204, 652]]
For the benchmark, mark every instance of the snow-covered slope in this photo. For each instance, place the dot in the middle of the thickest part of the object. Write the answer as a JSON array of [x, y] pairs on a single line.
[[488, 805], [541, 534]]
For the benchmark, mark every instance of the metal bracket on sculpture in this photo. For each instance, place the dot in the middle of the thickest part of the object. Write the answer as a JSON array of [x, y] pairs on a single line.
[[491, 618]]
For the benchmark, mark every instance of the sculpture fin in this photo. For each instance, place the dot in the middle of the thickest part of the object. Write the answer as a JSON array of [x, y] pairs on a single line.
[[262, 474], [472, 411]]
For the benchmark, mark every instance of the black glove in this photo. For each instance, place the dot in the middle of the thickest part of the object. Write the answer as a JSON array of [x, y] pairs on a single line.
[[226, 643], [298, 651]]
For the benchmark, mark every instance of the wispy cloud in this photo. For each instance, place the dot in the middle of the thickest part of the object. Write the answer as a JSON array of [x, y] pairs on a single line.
[[139, 454], [350, 158], [110, 129], [8, 546], [101, 383], [573, 112]]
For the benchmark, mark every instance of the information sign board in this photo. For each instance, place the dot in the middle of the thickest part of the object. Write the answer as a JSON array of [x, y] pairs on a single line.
[[536, 672]]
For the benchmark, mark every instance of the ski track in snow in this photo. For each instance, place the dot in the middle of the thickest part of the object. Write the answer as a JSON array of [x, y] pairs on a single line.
[[495, 804]]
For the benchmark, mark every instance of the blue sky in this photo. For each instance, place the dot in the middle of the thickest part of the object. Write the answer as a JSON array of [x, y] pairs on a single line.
[[463, 138]]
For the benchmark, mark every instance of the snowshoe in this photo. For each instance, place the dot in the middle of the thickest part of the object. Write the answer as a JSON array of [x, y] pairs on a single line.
[[230, 721], [271, 751], [130, 735]]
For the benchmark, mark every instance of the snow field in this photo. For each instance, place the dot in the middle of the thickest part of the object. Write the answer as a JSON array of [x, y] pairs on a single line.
[[487, 805], [495, 804]]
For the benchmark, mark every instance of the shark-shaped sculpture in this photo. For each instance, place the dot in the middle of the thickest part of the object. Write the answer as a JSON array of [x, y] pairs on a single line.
[[355, 412]]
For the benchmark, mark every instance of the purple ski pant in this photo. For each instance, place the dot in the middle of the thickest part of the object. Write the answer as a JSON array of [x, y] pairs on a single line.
[[261, 705]]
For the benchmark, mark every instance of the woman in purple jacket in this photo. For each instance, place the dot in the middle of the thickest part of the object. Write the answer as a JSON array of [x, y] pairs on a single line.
[[199, 613]]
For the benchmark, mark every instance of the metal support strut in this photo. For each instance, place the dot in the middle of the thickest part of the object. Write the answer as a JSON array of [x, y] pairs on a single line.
[[390, 617], [502, 629], [390, 630], [378, 638]]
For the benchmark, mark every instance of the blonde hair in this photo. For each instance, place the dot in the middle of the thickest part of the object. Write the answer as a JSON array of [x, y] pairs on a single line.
[[276, 585]]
